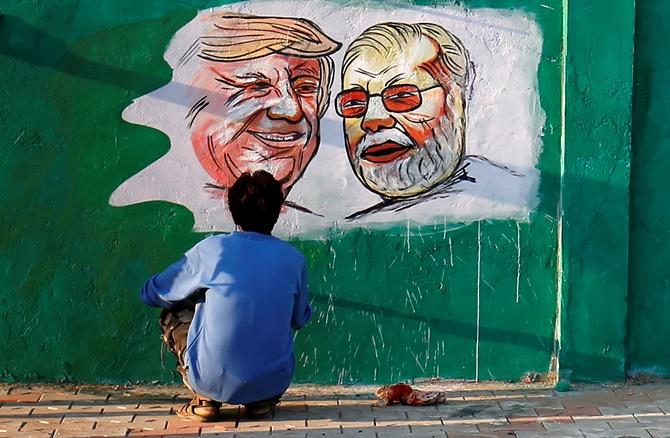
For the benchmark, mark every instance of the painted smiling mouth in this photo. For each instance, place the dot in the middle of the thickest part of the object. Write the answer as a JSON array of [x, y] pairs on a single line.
[[277, 137], [385, 152]]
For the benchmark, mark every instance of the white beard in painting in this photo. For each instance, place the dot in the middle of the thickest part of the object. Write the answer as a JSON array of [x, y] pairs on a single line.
[[423, 168]]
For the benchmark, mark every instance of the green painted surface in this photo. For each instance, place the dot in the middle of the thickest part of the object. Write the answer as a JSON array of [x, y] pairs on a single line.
[[649, 285], [388, 306], [596, 187]]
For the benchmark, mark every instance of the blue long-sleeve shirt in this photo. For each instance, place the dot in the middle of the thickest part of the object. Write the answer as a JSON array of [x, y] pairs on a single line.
[[240, 343]]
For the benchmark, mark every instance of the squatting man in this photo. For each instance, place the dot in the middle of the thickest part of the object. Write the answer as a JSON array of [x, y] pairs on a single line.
[[231, 305]]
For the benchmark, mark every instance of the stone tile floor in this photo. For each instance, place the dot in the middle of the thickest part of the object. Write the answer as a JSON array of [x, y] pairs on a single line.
[[483, 410]]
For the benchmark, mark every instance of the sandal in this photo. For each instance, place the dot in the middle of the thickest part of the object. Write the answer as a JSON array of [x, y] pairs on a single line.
[[209, 410], [261, 409]]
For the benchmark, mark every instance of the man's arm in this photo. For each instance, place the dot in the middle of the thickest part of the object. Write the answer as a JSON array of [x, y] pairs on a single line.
[[177, 283], [301, 308]]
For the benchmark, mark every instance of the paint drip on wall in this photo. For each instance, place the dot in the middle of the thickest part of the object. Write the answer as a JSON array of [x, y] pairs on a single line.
[[366, 115]]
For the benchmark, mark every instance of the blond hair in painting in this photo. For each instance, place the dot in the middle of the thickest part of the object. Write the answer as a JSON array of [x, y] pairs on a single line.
[[238, 37]]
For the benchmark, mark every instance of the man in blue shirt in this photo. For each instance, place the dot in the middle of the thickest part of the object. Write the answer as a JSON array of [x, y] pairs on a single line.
[[243, 293]]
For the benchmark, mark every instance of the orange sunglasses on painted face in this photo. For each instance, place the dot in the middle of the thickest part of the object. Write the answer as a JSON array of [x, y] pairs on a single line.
[[396, 99]]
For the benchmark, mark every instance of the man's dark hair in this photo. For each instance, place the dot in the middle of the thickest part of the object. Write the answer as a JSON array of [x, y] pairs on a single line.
[[255, 200]]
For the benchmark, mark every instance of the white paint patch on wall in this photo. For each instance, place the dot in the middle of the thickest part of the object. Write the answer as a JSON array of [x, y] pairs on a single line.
[[504, 125]]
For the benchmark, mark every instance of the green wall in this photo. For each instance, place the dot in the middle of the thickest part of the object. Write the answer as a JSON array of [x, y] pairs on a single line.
[[388, 305], [649, 300], [595, 187]]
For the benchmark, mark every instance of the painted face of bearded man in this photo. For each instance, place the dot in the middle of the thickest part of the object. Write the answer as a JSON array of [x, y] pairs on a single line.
[[403, 105]]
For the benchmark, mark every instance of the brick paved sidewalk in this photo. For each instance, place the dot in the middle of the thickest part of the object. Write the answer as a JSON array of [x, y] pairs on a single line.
[[484, 410]]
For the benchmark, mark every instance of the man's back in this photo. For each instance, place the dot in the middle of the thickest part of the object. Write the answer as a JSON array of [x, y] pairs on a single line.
[[240, 343], [244, 326]]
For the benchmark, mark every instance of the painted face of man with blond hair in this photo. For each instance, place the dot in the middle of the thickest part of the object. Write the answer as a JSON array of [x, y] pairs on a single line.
[[403, 106], [261, 88]]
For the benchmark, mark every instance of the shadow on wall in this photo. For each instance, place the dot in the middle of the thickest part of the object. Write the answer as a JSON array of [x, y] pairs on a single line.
[[23, 41]]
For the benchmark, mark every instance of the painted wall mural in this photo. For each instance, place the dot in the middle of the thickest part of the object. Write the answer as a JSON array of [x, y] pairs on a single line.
[[434, 116]]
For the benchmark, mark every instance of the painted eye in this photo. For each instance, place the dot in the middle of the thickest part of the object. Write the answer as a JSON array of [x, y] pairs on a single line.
[[351, 103], [305, 85], [401, 98], [306, 89], [401, 95], [354, 103]]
